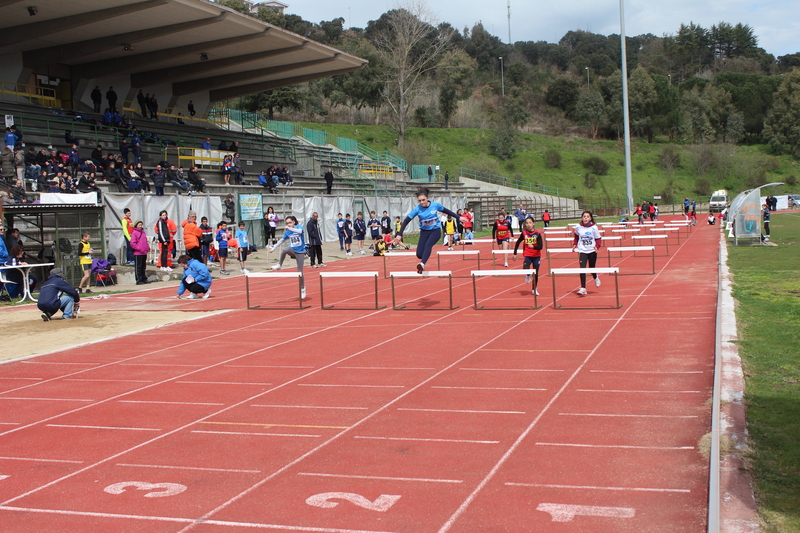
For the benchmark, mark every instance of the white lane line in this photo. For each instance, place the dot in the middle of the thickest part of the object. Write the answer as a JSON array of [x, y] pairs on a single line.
[[191, 468], [310, 407], [623, 446], [168, 403], [54, 363], [590, 487], [158, 364], [220, 383], [261, 434], [349, 385], [429, 440], [251, 525], [48, 399], [25, 379], [10, 423], [114, 380], [462, 411], [631, 416], [39, 460], [487, 388], [268, 366], [512, 369], [644, 391], [100, 427], [388, 478], [385, 368], [647, 371]]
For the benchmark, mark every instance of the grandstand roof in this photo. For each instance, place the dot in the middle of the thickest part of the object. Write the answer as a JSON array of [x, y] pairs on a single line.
[[195, 45]]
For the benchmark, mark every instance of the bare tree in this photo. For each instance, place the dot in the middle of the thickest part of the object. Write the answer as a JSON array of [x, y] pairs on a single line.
[[411, 48]]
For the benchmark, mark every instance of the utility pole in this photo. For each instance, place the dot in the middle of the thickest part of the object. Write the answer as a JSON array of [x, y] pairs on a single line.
[[502, 78], [625, 110], [587, 77], [508, 4]]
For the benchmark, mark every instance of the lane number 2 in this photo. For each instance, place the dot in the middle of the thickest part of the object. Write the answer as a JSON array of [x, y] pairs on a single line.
[[381, 504], [157, 490]]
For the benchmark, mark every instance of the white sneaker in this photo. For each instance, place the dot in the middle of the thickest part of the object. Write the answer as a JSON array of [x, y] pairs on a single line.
[[582, 290], [207, 294], [193, 296], [349, 253], [597, 281], [534, 291], [163, 269], [303, 293], [245, 271], [527, 279], [506, 265], [276, 267], [322, 265], [169, 269], [362, 252]]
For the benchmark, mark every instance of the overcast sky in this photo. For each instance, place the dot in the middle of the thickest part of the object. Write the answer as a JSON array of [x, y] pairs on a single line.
[[776, 22]]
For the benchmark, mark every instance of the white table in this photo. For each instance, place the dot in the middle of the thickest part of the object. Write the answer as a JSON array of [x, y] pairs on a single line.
[[26, 277]]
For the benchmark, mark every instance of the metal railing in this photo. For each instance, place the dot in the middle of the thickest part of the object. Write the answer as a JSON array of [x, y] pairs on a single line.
[[15, 92], [173, 115], [516, 183]]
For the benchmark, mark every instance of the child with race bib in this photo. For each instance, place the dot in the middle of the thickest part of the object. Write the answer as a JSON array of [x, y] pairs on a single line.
[[587, 241], [429, 225], [296, 249]]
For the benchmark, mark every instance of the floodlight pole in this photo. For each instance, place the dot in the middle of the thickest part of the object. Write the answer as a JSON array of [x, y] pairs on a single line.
[[502, 79], [625, 111]]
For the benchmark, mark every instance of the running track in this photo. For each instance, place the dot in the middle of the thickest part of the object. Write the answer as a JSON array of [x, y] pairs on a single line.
[[396, 421]]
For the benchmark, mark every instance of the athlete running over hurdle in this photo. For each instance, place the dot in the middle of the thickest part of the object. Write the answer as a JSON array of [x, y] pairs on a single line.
[[587, 241], [429, 225], [531, 250], [502, 231], [296, 249]]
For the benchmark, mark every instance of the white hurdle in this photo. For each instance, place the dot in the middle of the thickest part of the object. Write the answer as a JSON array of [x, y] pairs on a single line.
[[274, 275], [478, 273], [558, 239], [655, 238], [328, 274], [634, 249], [614, 271], [462, 253], [394, 254], [666, 232], [505, 253], [426, 274], [551, 251]]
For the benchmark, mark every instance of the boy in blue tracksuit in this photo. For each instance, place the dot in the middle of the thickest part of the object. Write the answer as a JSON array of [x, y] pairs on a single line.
[[340, 231], [196, 278], [244, 246], [374, 228], [360, 231], [58, 295], [222, 246], [297, 248]]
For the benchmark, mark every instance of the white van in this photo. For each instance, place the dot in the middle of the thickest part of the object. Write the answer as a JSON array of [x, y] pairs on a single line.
[[719, 200]]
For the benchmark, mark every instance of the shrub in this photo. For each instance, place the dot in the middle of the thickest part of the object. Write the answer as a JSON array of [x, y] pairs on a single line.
[[552, 158], [704, 157], [791, 180], [757, 178], [596, 165], [639, 167], [669, 159], [589, 180], [703, 186]]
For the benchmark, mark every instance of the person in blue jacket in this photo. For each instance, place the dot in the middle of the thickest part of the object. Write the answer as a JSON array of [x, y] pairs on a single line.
[[429, 226], [58, 295], [297, 248], [196, 278]]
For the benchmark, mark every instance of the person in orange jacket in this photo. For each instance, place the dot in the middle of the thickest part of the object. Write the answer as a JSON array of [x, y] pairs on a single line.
[[191, 236]]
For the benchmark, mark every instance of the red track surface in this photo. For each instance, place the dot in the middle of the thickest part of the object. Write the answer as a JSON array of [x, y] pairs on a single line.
[[344, 420]]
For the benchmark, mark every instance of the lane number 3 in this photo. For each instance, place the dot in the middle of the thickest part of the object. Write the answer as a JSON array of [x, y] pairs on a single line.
[[381, 504], [157, 490]]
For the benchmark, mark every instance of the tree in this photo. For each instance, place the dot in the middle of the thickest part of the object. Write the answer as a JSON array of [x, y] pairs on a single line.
[[272, 100], [562, 93], [357, 89], [590, 111], [411, 48], [782, 126]]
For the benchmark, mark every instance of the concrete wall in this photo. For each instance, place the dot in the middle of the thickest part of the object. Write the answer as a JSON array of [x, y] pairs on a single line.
[[510, 191]]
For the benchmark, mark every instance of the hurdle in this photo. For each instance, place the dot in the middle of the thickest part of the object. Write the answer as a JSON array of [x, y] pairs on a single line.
[[284, 275], [558, 239], [551, 251], [665, 230], [626, 231], [394, 254], [495, 253], [462, 253], [323, 275], [465, 242], [657, 237], [477, 273], [428, 274], [634, 249], [680, 225], [568, 271]]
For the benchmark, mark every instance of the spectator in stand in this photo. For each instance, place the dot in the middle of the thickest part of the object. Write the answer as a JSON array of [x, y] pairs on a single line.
[[140, 248], [12, 239], [116, 117], [142, 103], [69, 139], [18, 134], [153, 107], [58, 295], [238, 172], [87, 184], [222, 146], [97, 156], [32, 168], [142, 175], [180, 118], [110, 175], [314, 241], [19, 164], [234, 147], [227, 168], [43, 182], [328, 181], [192, 235], [107, 117], [190, 107], [123, 150], [111, 96], [97, 98], [159, 179], [230, 209], [136, 149], [10, 139], [131, 179], [7, 164], [177, 181], [74, 158], [206, 145], [18, 193], [197, 182]]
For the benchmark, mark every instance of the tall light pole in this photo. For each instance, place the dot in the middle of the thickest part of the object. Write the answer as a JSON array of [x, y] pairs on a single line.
[[587, 77], [502, 78], [508, 4], [625, 112]]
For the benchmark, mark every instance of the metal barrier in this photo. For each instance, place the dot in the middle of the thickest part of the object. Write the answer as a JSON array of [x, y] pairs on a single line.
[[429, 274], [323, 275], [568, 271], [530, 272], [296, 275]]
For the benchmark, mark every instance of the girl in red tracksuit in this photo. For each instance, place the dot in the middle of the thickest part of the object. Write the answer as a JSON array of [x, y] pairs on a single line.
[[587, 242], [533, 243], [503, 232]]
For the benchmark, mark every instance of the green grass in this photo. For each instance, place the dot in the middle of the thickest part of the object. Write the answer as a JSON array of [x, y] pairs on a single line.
[[767, 287], [455, 148]]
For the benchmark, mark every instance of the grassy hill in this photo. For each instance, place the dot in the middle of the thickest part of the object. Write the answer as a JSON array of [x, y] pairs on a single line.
[[726, 166]]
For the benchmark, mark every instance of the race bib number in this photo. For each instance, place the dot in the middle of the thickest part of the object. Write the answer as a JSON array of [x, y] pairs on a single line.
[[295, 241], [429, 222], [587, 241], [531, 241]]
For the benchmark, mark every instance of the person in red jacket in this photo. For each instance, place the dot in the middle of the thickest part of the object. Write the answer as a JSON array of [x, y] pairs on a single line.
[[546, 218], [533, 243], [165, 232], [502, 231]]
